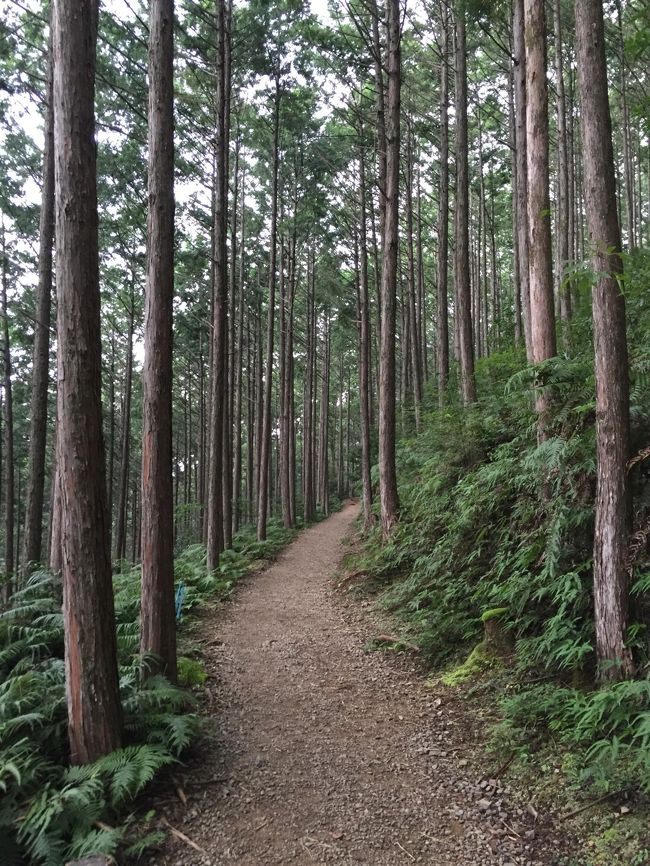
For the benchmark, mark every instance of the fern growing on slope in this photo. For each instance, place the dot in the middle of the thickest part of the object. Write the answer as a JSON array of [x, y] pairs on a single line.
[[490, 518]]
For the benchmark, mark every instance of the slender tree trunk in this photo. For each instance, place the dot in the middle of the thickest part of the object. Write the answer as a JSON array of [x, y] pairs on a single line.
[[422, 292], [239, 369], [251, 355], [120, 532], [364, 350], [94, 712], [54, 556], [229, 401], [111, 438], [542, 312], [380, 105], [625, 133], [323, 437], [564, 287], [9, 504], [521, 137], [265, 458], [41, 356], [443, 215], [308, 431], [612, 398], [389, 502], [158, 626], [284, 398], [220, 295], [516, 274], [416, 366], [461, 269]]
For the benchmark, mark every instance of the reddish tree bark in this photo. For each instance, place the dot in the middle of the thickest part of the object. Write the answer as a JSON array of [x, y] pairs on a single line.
[[443, 208], [220, 305], [542, 312], [41, 356], [461, 268], [265, 452], [388, 497], [610, 344], [94, 712], [158, 626]]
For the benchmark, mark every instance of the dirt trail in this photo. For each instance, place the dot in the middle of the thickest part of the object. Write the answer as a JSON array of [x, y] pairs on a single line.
[[319, 752]]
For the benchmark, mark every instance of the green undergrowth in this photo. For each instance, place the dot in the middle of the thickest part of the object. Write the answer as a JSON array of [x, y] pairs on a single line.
[[51, 812], [491, 520], [480, 660]]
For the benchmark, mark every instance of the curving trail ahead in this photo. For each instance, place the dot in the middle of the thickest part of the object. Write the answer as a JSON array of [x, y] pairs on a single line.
[[319, 752]]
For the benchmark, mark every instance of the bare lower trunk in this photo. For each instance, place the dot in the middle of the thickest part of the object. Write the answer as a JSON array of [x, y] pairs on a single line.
[[542, 313], [158, 626], [612, 399], [265, 453], [443, 216], [389, 502], [461, 270], [94, 713], [519, 44], [364, 350], [41, 364], [9, 505], [120, 531], [220, 304], [564, 286]]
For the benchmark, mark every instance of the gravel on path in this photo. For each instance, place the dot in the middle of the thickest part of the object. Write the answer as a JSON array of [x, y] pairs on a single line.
[[320, 752]]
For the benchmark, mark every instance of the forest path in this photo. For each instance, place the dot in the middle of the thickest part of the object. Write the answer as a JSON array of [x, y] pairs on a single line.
[[319, 752]]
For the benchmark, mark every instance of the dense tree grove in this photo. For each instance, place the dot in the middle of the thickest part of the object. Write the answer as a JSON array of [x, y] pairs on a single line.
[[252, 249]]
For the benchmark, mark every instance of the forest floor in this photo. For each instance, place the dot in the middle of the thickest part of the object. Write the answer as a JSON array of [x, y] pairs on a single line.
[[318, 751]]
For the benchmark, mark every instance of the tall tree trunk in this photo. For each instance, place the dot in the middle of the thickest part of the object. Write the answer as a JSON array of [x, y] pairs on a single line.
[[220, 296], [625, 132], [422, 291], [94, 712], [364, 349], [542, 313], [323, 436], [612, 398], [443, 208], [461, 264], [309, 506], [389, 502], [251, 355], [284, 395], [521, 137], [41, 356], [111, 438], [8, 443], [265, 458], [229, 379], [380, 105], [120, 531], [516, 275], [239, 368], [416, 366], [564, 287], [54, 555], [158, 626]]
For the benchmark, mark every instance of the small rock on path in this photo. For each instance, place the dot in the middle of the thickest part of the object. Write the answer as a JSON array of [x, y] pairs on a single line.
[[318, 752]]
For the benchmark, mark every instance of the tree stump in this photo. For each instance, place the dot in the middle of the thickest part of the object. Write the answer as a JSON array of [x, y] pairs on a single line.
[[498, 639]]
